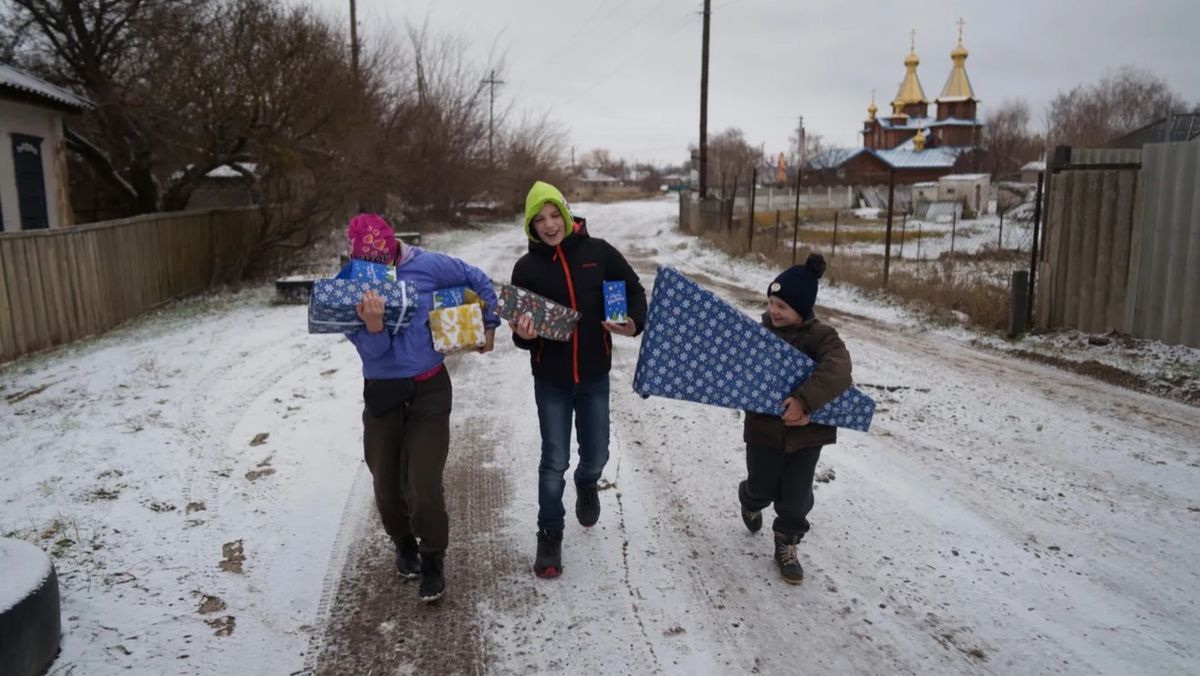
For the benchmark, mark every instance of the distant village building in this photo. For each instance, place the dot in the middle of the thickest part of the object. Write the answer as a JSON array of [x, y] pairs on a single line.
[[908, 141]]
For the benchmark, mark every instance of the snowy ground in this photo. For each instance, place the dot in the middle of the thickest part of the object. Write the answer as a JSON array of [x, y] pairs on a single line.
[[1001, 517], [929, 239]]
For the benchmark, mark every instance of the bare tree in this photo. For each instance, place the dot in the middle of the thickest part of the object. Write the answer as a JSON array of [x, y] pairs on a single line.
[[1008, 141], [532, 151], [730, 157], [602, 160], [1092, 115]]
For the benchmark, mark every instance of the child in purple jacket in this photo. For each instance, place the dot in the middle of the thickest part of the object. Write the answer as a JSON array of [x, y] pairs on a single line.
[[407, 392]]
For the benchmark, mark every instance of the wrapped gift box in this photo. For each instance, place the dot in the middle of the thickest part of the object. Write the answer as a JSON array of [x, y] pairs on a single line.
[[357, 269], [616, 309], [550, 320], [457, 328], [453, 296], [698, 348], [332, 307]]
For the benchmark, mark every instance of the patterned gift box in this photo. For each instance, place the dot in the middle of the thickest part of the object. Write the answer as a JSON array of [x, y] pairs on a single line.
[[550, 320], [357, 269], [616, 308], [331, 309], [453, 296], [698, 348], [457, 328]]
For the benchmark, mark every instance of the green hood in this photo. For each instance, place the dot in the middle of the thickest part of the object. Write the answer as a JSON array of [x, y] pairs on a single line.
[[539, 195]]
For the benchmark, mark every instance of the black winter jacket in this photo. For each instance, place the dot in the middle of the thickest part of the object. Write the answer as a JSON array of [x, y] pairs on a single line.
[[573, 274]]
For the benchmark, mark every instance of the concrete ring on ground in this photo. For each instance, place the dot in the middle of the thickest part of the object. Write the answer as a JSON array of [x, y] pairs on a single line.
[[29, 609]]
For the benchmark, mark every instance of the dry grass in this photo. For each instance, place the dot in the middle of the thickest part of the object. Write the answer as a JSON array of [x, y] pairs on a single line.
[[610, 197], [936, 287]]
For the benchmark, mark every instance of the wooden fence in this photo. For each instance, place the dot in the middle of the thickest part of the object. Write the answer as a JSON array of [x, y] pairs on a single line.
[[59, 285]]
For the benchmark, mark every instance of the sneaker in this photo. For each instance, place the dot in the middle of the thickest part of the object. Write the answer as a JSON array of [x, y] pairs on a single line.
[[785, 558], [408, 558], [433, 585], [549, 554], [753, 520], [587, 505]]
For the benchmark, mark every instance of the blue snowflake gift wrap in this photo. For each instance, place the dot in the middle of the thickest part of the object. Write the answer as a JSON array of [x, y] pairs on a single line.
[[332, 306], [696, 347]]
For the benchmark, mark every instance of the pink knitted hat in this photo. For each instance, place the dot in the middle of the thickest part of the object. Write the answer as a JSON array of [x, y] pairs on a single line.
[[372, 239]]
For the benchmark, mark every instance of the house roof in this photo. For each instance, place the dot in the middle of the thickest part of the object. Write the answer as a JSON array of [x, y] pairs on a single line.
[[18, 81], [926, 123], [942, 157], [965, 177], [594, 176], [1034, 166]]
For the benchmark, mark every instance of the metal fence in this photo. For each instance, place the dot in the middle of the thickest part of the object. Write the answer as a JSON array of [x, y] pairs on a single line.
[[1123, 242]]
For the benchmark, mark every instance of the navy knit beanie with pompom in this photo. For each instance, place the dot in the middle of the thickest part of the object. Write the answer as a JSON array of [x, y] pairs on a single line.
[[797, 286]]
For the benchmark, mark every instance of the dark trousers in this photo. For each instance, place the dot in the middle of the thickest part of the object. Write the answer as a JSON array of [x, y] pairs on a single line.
[[557, 404], [406, 451], [785, 479]]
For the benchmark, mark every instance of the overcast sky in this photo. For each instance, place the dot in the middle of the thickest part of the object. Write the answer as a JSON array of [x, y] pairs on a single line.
[[625, 74]]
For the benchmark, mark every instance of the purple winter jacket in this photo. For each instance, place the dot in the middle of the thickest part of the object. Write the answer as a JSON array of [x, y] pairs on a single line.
[[410, 352]]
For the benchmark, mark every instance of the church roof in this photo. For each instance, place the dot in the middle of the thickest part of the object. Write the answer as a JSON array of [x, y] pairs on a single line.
[[958, 85], [942, 157]]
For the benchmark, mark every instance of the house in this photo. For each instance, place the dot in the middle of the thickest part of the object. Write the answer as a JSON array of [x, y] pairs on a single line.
[[973, 190], [911, 161], [34, 186], [1029, 172], [224, 187]]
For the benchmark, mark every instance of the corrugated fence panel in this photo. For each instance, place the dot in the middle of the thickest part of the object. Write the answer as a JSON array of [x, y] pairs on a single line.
[[1105, 155], [1169, 281]]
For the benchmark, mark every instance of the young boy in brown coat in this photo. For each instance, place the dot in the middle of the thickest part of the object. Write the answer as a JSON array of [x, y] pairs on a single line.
[[782, 451]]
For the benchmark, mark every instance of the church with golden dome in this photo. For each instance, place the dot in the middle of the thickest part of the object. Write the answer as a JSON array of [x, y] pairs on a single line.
[[908, 144], [956, 123]]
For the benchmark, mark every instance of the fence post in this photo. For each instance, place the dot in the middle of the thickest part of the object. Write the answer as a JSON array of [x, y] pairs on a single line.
[[753, 192], [835, 223], [903, 227], [1000, 237], [1017, 309], [887, 244], [796, 217], [732, 203], [919, 241], [953, 236], [1033, 256], [776, 228]]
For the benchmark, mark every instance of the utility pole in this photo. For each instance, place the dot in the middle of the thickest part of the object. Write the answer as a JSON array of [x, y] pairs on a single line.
[[492, 82], [704, 104], [354, 38]]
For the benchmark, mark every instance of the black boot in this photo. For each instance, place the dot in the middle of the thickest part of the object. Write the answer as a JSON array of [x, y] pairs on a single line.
[[408, 558], [549, 554], [433, 585], [785, 558], [587, 505], [753, 520]]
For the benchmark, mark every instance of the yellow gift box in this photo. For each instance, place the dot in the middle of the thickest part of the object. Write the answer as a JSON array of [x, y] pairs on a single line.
[[457, 328]]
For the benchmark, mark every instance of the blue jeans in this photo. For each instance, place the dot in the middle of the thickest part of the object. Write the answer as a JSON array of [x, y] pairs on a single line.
[[556, 402]]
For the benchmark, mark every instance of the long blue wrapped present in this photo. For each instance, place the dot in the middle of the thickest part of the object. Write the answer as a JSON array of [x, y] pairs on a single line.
[[331, 309], [696, 347]]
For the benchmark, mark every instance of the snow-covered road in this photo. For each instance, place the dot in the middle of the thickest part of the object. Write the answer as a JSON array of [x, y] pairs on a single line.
[[1001, 517]]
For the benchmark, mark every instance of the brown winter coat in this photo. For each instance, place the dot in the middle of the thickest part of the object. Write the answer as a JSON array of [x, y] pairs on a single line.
[[830, 379]]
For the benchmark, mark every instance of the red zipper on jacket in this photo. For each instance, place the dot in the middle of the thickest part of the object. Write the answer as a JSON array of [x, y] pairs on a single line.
[[571, 292]]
